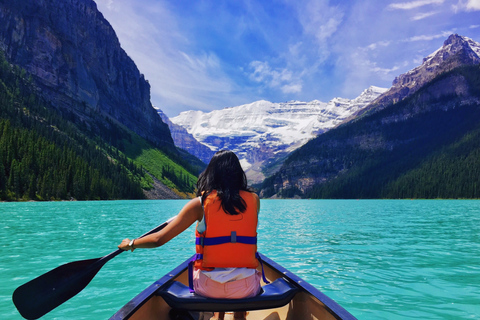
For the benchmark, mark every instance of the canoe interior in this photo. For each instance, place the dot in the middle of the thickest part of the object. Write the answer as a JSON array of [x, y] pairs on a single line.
[[303, 306]]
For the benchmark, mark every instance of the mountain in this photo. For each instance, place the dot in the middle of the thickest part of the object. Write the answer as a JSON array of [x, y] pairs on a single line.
[[186, 141], [45, 157], [456, 51], [263, 131], [66, 80], [77, 64], [421, 142]]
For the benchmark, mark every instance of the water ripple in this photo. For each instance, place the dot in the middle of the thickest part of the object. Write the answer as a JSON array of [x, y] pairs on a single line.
[[380, 259]]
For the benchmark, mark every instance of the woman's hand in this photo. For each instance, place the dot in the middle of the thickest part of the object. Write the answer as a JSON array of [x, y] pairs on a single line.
[[125, 245]]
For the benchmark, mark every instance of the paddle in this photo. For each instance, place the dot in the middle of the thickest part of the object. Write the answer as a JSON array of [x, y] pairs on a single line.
[[46, 292]]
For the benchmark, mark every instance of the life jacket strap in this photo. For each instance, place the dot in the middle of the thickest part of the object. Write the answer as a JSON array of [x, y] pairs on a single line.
[[232, 238], [195, 257], [263, 271]]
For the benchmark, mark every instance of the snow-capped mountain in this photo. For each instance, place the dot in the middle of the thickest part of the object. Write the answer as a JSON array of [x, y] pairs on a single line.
[[439, 107], [456, 51], [261, 131]]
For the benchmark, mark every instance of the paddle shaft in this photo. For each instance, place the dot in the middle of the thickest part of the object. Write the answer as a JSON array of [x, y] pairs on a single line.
[[46, 292]]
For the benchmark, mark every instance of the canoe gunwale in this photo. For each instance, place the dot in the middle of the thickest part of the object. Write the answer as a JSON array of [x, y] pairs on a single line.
[[334, 308], [136, 303]]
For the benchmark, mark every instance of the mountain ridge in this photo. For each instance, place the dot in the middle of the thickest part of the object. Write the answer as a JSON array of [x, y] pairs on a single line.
[[456, 51], [399, 149], [77, 64], [262, 131]]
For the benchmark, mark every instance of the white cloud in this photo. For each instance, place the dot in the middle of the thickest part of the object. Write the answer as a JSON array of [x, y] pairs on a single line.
[[383, 71], [378, 44], [110, 4], [413, 4], [441, 35], [424, 15], [292, 88], [181, 77], [277, 78], [320, 19], [467, 5]]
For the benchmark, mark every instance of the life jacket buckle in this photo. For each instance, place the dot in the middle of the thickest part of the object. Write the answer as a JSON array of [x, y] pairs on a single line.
[[233, 237]]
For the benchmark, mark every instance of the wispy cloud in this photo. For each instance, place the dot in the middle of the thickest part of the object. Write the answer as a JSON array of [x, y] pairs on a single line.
[[319, 19], [278, 78], [303, 54], [361, 71], [378, 44], [180, 75], [209, 54], [424, 15], [413, 4], [441, 35], [467, 5]]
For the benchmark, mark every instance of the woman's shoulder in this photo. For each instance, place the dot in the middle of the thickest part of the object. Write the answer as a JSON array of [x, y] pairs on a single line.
[[254, 197], [249, 192]]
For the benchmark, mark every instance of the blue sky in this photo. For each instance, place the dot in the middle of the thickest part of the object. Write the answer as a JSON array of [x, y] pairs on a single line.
[[212, 54]]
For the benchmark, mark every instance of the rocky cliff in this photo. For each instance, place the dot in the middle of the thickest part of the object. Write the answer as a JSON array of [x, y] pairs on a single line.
[[186, 141], [456, 51], [78, 65]]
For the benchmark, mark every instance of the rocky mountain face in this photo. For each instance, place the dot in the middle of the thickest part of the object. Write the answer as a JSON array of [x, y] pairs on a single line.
[[456, 51], [262, 131], [77, 64], [403, 141], [186, 141]]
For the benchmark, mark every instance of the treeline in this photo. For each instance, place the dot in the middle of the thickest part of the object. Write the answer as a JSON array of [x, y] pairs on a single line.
[[45, 157], [452, 173], [180, 179], [432, 154]]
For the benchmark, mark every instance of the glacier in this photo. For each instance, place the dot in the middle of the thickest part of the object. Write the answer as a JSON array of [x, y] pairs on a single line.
[[263, 131]]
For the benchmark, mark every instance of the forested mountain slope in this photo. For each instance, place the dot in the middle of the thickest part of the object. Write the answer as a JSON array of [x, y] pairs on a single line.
[[46, 154], [66, 79], [425, 146]]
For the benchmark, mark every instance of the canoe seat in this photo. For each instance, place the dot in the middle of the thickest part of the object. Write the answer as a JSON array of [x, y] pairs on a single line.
[[274, 295]]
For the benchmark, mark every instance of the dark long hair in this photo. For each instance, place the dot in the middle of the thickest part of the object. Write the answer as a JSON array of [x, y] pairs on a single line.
[[225, 175]]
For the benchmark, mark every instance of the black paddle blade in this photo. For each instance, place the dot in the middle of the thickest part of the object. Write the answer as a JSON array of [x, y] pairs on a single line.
[[46, 292]]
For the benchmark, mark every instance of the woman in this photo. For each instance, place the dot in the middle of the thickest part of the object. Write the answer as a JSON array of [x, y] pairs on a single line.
[[226, 211]]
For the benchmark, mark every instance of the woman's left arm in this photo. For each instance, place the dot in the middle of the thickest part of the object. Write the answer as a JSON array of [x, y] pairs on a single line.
[[190, 213]]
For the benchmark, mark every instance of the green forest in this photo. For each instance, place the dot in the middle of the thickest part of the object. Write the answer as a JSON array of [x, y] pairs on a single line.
[[50, 154]]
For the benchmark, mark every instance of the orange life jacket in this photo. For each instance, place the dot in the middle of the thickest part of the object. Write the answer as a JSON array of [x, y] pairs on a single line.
[[229, 241]]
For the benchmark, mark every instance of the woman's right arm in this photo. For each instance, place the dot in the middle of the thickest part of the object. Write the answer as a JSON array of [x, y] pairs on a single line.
[[190, 213]]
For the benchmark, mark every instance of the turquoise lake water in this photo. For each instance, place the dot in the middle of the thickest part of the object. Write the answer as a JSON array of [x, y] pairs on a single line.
[[379, 259]]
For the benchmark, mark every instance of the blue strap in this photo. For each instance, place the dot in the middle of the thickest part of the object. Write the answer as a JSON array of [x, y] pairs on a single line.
[[227, 239], [263, 271], [196, 257]]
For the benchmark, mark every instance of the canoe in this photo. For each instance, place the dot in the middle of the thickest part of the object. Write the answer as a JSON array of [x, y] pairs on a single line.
[[286, 297]]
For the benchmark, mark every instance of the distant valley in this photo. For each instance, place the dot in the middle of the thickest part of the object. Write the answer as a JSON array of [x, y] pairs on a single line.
[[374, 146], [263, 132]]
